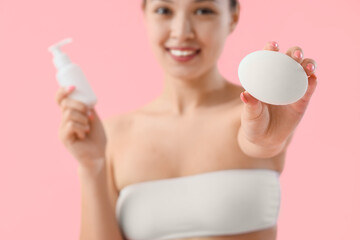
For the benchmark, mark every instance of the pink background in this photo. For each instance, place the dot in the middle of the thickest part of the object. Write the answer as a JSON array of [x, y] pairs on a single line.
[[40, 191]]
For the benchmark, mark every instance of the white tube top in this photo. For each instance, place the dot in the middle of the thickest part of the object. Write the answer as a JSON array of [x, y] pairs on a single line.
[[224, 202]]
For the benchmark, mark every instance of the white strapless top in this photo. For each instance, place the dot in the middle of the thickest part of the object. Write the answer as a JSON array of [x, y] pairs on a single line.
[[224, 202]]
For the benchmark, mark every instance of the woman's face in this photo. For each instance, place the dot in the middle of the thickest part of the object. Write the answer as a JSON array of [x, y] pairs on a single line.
[[200, 27]]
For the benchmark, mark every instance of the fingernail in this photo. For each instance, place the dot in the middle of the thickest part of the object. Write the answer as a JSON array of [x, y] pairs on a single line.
[[70, 88], [274, 44], [310, 67], [243, 98], [91, 115], [298, 54]]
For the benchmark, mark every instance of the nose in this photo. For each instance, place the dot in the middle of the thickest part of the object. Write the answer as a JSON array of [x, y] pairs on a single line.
[[181, 28]]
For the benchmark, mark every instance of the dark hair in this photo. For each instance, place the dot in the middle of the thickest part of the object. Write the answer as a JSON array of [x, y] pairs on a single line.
[[233, 4]]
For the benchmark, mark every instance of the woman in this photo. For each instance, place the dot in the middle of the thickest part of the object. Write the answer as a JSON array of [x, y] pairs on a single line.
[[199, 127]]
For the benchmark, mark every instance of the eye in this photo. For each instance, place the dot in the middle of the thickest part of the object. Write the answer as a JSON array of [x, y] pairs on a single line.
[[162, 10], [206, 11]]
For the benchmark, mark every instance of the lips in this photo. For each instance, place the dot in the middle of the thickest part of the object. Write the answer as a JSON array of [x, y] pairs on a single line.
[[183, 58]]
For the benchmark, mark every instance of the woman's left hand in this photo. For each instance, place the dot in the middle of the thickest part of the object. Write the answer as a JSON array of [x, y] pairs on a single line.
[[266, 129]]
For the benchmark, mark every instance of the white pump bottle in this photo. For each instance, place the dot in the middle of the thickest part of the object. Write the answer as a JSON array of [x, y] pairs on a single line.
[[71, 74]]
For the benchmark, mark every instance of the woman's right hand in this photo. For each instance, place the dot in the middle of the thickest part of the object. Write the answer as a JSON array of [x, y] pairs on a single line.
[[81, 130]]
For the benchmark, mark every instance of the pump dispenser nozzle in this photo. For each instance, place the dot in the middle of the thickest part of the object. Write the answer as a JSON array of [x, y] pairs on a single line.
[[60, 58], [70, 73]]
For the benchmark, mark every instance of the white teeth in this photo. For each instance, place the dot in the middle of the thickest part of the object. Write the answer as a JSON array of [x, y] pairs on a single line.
[[182, 53]]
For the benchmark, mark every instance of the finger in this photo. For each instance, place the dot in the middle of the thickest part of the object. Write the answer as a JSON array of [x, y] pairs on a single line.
[[295, 53], [62, 93], [253, 107], [76, 116], [247, 98], [92, 114], [272, 46], [72, 129], [68, 103], [311, 88], [309, 66]]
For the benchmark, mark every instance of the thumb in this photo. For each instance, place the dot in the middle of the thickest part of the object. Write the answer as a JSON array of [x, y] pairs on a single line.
[[96, 124], [93, 116], [252, 106]]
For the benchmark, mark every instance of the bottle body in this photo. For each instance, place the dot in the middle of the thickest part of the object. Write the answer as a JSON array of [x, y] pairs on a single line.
[[71, 74]]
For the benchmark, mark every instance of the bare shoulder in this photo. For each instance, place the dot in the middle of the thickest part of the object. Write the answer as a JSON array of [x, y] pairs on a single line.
[[234, 102], [120, 123], [236, 87], [233, 90]]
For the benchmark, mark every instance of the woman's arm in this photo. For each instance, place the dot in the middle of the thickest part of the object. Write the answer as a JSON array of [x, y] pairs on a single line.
[[87, 138], [98, 200]]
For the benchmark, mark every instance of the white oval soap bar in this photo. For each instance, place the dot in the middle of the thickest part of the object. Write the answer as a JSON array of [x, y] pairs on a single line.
[[273, 77]]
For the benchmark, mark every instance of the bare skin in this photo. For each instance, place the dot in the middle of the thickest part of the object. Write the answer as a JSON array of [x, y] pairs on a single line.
[[151, 143]]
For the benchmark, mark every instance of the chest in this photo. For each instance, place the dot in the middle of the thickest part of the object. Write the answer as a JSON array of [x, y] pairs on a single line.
[[161, 148]]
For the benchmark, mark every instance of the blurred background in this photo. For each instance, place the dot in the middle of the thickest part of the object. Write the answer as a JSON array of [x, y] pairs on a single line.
[[40, 191]]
